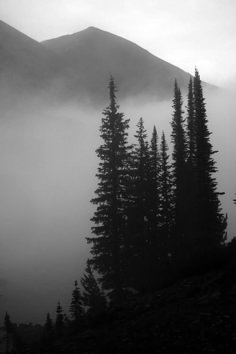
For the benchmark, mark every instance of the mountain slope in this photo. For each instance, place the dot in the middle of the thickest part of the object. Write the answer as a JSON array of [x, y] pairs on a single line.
[[78, 66], [93, 55], [25, 63]]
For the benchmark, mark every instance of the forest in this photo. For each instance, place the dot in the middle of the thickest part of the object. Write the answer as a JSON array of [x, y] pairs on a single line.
[[158, 234]]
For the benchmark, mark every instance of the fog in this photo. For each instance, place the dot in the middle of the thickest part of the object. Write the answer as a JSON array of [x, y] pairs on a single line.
[[47, 175], [47, 168]]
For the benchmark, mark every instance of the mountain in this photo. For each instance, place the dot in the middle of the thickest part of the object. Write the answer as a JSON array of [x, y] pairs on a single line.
[[78, 66], [25, 64], [93, 55]]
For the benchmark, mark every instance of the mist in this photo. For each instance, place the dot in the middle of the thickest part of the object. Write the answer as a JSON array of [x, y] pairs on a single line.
[[47, 170]]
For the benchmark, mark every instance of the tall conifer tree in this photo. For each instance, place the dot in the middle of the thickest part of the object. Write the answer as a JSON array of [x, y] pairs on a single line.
[[9, 328], [141, 180], [154, 186], [92, 297], [179, 171], [166, 196], [157, 247], [76, 308], [137, 212], [190, 192], [211, 223], [141, 215], [191, 137], [48, 330], [109, 217], [59, 323]]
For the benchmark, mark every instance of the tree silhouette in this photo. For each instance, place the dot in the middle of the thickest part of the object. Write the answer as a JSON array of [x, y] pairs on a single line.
[[109, 217], [92, 297], [59, 324], [210, 222], [190, 191], [166, 196], [154, 188], [48, 330], [179, 172], [9, 327], [139, 197], [76, 307], [191, 126], [141, 179]]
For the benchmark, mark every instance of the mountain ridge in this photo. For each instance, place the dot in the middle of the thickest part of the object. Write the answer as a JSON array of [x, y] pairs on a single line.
[[77, 66], [94, 54], [25, 64], [96, 29]]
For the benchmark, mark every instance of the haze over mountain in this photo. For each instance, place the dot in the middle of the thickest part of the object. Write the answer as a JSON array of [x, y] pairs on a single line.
[[93, 55], [25, 64], [79, 65]]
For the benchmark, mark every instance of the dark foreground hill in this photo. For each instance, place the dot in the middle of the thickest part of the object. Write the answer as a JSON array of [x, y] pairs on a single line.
[[195, 315]]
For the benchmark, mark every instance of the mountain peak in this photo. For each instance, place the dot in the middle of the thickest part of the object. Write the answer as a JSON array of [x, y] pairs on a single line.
[[83, 62], [93, 54], [92, 28], [94, 31]]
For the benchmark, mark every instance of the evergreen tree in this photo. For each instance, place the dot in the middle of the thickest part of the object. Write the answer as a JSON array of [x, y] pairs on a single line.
[[141, 180], [138, 217], [210, 221], [191, 136], [7, 323], [179, 172], [109, 217], [48, 331], [154, 186], [76, 308], [190, 191], [166, 196], [59, 324], [156, 250], [9, 327], [92, 297]]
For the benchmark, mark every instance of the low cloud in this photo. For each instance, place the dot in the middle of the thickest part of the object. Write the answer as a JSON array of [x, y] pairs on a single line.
[[47, 172]]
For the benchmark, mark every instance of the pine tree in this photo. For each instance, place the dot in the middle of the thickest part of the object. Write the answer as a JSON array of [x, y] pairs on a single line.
[[92, 297], [141, 180], [154, 186], [109, 217], [9, 327], [156, 250], [179, 172], [48, 330], [210, 221], [59, 324], [76, 308], [191, 136], [190, 191], [166, 196], [138, 218], [7, 323]]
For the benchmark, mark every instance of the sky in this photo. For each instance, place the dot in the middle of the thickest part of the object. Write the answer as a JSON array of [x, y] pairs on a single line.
[[186, 33]]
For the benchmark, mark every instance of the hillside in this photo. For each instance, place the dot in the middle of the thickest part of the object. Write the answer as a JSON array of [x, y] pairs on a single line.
[[194, 315], [93, 55], [25, 63], [78, 66]]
